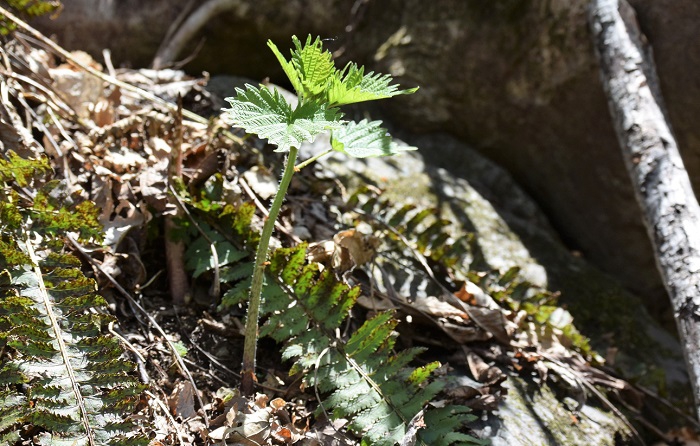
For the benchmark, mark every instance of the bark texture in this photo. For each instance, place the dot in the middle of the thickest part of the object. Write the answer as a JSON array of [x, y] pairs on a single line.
[[662, 185]]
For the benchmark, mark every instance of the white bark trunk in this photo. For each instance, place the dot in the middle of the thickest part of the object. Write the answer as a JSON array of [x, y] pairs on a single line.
[[662, 185]]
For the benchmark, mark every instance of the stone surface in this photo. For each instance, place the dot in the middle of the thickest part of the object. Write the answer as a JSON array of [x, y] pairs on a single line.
[[234, 42], [532, 415]]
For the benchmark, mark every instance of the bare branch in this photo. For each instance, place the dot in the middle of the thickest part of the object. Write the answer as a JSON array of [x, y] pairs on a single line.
[[661, 182]]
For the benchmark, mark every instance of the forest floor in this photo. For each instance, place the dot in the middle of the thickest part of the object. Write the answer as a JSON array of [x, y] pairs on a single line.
[[110, 142]]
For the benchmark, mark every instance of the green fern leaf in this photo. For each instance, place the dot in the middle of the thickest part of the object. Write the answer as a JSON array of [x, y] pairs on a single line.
[[10, 256], [365, 139], [365, 382], [78, 385], [55, 213], [432, 237], [73, 376], [445, 422], [351, 85], [10, 215], [267, 114], [361, 378]]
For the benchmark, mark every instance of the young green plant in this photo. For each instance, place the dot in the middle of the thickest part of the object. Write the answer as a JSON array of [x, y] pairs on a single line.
[[321, 89]]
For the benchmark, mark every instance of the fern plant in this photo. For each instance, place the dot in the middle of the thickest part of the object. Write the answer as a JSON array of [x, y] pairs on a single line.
[[321, 88], [366, 381], [61, 379], [358, 377]]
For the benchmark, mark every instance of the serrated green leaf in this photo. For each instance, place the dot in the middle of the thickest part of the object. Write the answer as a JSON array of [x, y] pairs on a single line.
[[351, 85], [288, 67], [309, 70], [266, 113], [365, 139], [314, 77]]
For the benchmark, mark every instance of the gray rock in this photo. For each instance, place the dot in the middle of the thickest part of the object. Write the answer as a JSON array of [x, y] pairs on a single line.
[[532, 415]]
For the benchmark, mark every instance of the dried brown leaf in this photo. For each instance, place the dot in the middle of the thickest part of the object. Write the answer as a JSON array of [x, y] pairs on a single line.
[[181, 400]]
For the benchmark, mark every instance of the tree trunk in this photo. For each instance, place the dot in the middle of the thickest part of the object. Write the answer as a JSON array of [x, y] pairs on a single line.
[[662, 185]]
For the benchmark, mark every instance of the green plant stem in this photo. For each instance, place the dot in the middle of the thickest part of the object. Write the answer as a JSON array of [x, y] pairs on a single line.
[[303, 164], [251, 325]]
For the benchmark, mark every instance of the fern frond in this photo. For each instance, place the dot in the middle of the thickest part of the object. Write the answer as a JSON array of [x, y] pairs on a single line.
[[266, 113], [77, 385], [67, 364], [366, 382], [445, 421], [21, 170], [199, 254], [431, 236], [361, 378], [365, 139], [54, 212]]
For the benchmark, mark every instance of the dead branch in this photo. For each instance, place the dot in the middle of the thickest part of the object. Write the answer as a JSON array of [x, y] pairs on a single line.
[[661, 182], [175, 41]]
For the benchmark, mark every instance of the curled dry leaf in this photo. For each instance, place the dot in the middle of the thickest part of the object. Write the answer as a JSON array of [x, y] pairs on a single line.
[[153, 182], [486, 312], [472, 294], [80, 89], [126, 216], [348, 250], [252, 421], [181, 400], [481, 371], [435, 307]]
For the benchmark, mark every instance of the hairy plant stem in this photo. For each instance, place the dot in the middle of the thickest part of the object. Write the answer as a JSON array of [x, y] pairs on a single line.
[[251, 326]]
